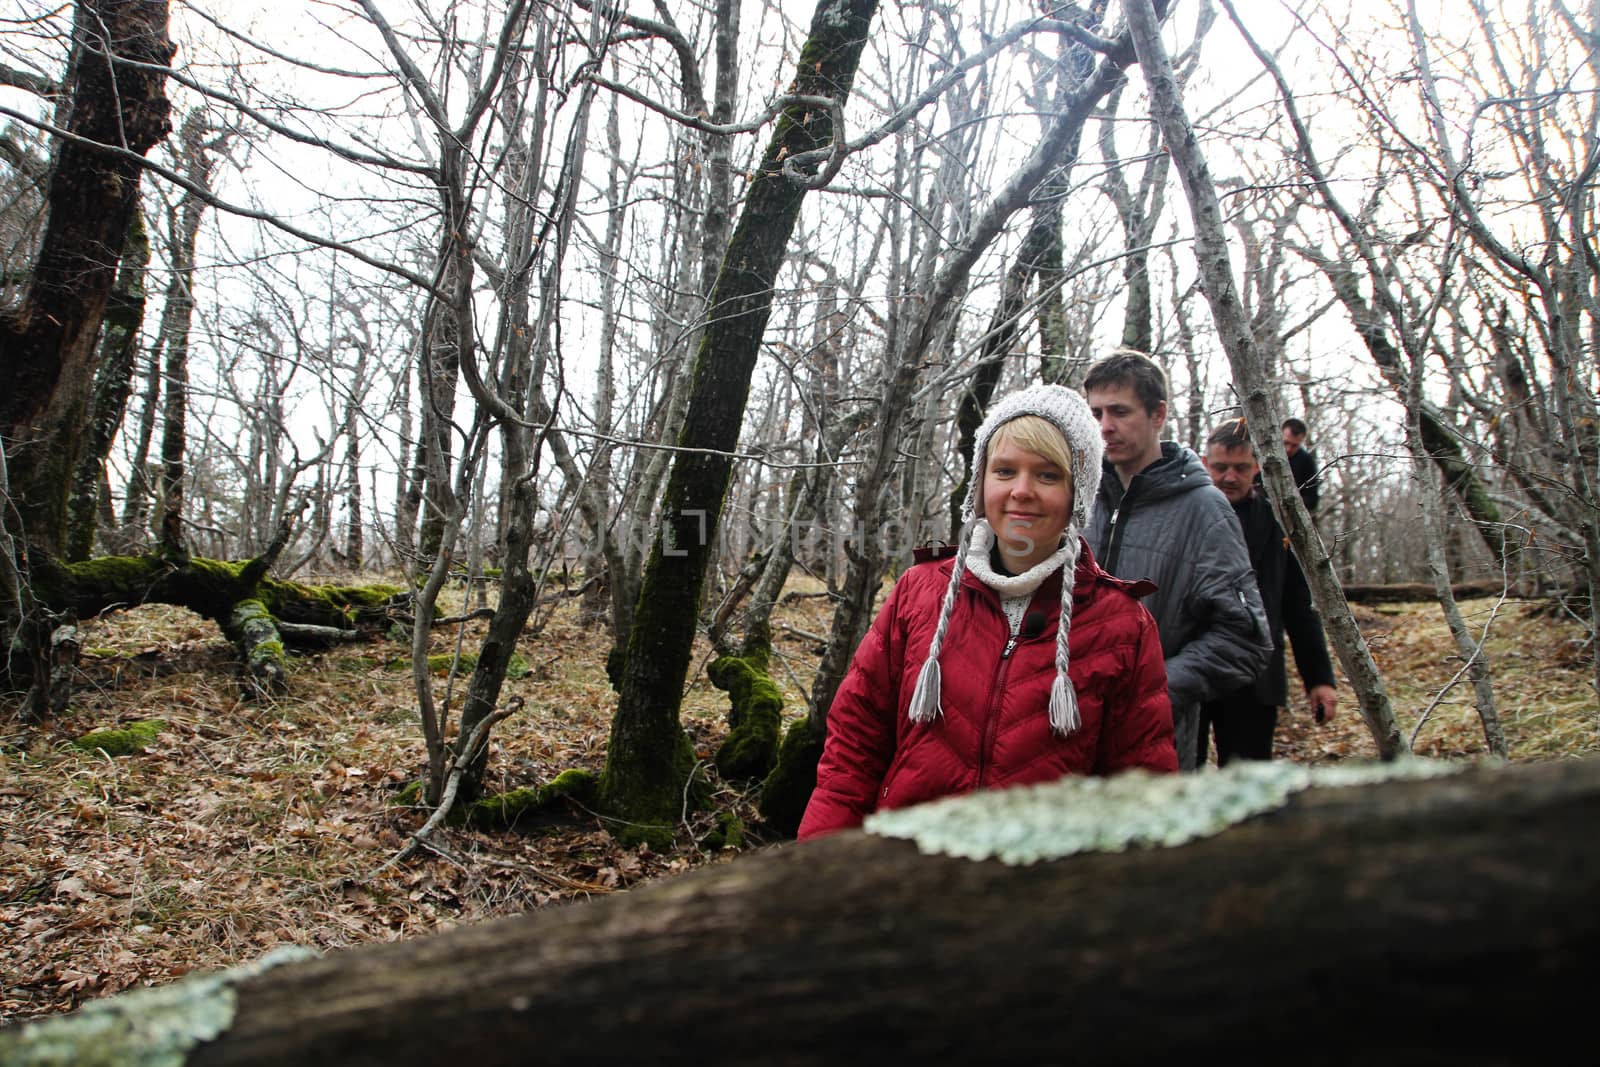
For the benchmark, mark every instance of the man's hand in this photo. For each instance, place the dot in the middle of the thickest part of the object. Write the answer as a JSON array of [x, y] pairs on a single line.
[[1324, 702]]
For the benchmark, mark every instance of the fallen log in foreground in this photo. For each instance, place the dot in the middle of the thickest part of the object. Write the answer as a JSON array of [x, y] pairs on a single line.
[[1450, 920]]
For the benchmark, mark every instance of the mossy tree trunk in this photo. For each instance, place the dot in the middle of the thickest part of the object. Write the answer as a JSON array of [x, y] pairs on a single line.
[[113, 381], [649, 758], [116, 91], [1407, 908], [755, 716]]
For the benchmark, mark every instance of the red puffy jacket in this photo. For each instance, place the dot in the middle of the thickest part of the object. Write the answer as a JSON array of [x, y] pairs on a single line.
[[995, 729]]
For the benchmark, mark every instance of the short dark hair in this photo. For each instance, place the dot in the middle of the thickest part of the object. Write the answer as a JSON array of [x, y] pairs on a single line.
[[1294, 426], [1126, 366], [1235, 433]]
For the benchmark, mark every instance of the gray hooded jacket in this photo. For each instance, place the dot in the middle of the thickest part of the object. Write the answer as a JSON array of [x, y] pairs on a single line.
[[1172, 526]]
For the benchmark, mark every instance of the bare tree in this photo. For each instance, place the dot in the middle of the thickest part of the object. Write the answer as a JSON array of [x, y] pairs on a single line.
[[1216, 279]]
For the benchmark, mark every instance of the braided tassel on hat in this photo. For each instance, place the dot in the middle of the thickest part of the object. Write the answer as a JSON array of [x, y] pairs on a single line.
[[924, 706], [1064, 717]]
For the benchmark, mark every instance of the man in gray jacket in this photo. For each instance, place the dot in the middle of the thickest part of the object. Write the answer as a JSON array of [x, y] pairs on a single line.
[[1159, 517]]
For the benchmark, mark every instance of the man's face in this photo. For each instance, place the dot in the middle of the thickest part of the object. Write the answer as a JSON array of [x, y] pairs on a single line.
[[1292, 441], [1233, 470], [1131, 434]]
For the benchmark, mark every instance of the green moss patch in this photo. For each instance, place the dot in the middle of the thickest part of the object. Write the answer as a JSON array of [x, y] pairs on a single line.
[[729, 833], [123, 740], [787, 790], [506, 810], [755, 714], [442, 663], [410, 795]]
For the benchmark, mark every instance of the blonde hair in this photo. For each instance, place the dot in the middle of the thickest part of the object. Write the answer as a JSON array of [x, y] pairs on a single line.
[[1036, 434]]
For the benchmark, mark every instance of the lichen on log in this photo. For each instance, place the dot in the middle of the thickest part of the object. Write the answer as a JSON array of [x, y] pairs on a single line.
[[158, 1026]]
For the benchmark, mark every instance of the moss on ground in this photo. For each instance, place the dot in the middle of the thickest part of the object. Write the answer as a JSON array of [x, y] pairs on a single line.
[[123, 740], [441, 663], [729, 833], [503, 811]]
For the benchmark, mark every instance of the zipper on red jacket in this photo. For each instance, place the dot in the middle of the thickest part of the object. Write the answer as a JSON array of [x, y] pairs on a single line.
[[991, 721]]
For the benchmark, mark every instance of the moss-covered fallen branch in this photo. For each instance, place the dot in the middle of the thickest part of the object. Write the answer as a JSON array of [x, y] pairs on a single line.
[[263, 616], [504, 811], [251, 627], [210, 588]]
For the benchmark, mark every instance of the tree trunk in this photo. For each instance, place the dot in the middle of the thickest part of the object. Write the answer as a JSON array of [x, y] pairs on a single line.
[[113, 381], [1255, 391], [354, 535], [1325, 930], [116, 88], [141, 480], [649, 758], [177, 317]]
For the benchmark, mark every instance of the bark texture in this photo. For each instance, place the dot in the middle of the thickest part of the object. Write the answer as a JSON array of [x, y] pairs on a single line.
[[649, 759], [1448, 920], [90, 502], [117, 89]]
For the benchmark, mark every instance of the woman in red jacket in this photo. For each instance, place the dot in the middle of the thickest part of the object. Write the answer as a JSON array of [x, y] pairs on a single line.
[[979, 673]]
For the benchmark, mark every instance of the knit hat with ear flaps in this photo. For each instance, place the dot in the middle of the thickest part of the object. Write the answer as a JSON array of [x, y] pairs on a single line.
[[1068, 412]]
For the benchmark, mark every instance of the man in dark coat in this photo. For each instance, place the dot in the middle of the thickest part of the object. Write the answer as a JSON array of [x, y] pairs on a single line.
[[1157, 516], [1302, 462], [1245, 719]]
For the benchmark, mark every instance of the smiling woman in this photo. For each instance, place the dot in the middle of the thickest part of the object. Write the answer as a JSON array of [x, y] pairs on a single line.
[[984, 670], [1027, 491]]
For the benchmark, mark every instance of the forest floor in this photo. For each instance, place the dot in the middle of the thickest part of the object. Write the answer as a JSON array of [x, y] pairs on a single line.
[[246, 826]]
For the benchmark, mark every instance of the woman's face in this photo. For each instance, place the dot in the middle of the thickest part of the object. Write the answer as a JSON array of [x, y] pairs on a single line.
[[1027, 500]]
